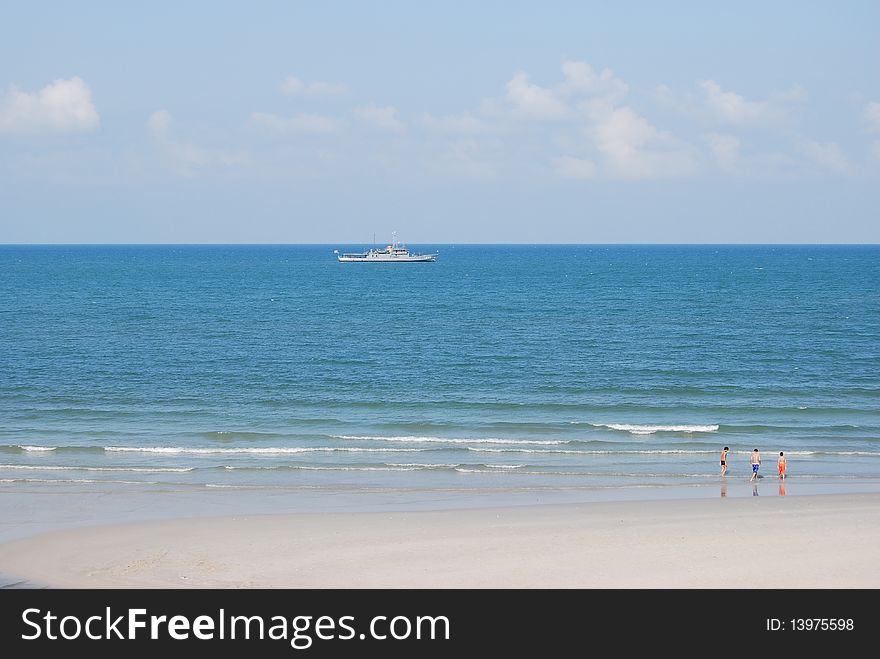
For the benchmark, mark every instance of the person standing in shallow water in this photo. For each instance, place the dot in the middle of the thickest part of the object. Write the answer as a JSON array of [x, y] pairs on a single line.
[[756, 464], [780, 465], [724, 461]]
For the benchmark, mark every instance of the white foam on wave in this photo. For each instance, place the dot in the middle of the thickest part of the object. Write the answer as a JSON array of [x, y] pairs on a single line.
[[873, 454], [255, 450], [523, 450], [650, 428], [65, 468], [424, 465], [597, 452], [451, 440], [584, 474], [386, 467], [37, 448], [493, 469], [74, 480]]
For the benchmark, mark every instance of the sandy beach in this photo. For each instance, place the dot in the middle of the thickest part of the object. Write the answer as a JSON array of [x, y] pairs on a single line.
[[823, 541]]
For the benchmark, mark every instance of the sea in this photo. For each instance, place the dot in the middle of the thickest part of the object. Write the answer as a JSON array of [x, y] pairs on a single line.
[[156, 380]]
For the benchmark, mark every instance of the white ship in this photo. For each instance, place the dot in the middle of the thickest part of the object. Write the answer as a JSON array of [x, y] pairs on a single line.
[[393, 253]]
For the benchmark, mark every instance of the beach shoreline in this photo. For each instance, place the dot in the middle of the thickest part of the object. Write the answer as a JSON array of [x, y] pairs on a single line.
[[809, 541]]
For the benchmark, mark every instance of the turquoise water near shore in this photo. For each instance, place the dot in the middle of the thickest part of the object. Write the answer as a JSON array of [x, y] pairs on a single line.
[[495, 374]]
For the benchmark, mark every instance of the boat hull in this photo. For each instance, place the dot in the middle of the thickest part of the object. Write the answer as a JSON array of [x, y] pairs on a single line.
[[423, 258], [396, 252]]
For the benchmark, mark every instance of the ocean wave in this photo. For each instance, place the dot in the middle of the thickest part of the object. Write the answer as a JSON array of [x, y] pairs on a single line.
[[452, 440], [598, 452], [871, 454], [484, 470], [809, 428], [256, 450], [26, 448], [528, 450], [230, 435], [359, 468], [75, 480], [426, 465], [145, 470], [388, 467], [650, 429]]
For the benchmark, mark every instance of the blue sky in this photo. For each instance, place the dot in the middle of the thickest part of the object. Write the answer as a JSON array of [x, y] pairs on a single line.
[[448, 122]]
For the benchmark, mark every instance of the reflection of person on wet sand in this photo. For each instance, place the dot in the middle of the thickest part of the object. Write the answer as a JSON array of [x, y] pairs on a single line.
[[723, 488], [755, 489], [781, 488]]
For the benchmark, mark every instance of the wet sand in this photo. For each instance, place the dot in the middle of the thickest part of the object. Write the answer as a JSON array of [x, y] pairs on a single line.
[[823, 541]]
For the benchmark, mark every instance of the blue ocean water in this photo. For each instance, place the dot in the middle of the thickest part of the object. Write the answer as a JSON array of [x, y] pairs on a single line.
[[497, 370]]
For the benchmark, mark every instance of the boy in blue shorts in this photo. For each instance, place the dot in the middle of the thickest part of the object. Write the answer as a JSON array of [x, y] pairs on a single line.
[[756, 464]]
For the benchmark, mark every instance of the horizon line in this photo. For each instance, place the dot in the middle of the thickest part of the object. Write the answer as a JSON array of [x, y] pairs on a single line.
[[452, 244]]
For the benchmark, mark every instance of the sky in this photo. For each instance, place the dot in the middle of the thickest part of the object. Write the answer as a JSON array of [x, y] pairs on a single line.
[[445, 121]]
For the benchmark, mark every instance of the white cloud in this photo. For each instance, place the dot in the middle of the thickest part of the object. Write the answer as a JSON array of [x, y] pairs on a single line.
[[629, 146], [303, 122], [725, 148], [585, 102], [582, 79], [293, 86], [633, 148], [159, 123], [184, 157], [713, 105], [380, 117], [579, 168], [826, 154], [534, 102], [64, 106], [731, 108], [872, 117]]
